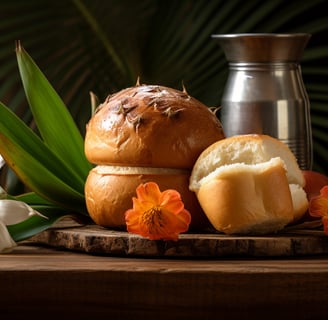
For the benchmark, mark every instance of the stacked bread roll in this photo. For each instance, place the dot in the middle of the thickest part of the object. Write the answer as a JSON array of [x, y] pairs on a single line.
[[140, 134]]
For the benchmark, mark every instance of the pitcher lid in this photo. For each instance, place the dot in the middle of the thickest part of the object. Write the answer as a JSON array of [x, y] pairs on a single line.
[[263, 47]]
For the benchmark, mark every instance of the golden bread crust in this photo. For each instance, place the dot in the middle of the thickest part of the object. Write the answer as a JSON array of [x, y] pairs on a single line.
[[151, 126], [109, 194]]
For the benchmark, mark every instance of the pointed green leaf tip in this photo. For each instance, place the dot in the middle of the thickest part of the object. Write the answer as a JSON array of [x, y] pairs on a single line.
[[55, 124]]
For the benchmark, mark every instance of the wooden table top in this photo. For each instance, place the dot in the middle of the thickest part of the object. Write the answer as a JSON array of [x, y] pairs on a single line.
[[38, 280], [33, 258]]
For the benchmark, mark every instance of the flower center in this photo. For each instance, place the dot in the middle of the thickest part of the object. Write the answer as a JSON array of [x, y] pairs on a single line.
[[153, 218]]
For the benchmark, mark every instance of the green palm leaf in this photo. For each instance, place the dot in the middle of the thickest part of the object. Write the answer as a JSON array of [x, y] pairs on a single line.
[[57, 127], [17, 135], [39, 178], [55, 167]]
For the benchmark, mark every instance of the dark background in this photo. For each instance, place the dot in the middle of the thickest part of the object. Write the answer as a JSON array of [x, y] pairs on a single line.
[[104, 46]]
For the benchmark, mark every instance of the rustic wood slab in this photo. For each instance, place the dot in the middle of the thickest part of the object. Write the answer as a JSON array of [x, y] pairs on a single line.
[[97, 240]]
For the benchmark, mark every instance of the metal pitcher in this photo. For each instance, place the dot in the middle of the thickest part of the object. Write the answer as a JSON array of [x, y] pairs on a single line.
[[265, 92]]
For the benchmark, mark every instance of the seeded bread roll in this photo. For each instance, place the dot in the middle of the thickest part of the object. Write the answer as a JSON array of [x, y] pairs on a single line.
[[145, 133]]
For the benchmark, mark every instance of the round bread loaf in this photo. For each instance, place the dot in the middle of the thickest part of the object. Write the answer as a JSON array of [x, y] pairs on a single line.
[[150, 126], [141, 134]]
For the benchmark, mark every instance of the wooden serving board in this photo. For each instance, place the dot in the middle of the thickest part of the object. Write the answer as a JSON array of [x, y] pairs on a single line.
[[96, 240]]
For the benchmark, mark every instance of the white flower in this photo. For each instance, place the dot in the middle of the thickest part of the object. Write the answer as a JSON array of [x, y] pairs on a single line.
[[6, 242], [12, 212]]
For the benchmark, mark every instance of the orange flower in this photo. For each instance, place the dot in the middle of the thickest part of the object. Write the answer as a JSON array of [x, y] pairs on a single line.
[[157, 215], [318, 207]]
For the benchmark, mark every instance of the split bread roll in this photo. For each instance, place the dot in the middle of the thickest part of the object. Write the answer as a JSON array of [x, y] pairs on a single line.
[[249, 184]]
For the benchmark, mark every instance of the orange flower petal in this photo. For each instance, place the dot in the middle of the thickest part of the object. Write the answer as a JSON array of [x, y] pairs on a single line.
[[325, 224], [171, 201], [318, 206], [149, 192], [324, 191], [141, 205]]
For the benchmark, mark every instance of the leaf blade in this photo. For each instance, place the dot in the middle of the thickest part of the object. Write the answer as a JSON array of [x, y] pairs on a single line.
[[14, 129], [34, 225], [53, 119], [49, 186]]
